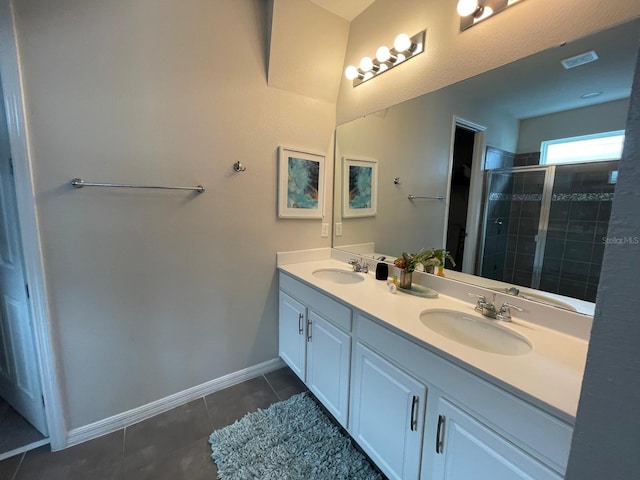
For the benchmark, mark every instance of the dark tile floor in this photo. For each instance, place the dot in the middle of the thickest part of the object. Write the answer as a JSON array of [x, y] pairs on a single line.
[[15, 431], [173, 445]]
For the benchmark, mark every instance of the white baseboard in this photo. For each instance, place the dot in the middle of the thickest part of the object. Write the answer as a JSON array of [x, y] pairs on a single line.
[[124, 419], [24, 448]]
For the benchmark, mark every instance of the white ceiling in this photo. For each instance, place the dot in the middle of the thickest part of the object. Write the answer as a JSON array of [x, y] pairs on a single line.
[[539, 85], [347, 9]]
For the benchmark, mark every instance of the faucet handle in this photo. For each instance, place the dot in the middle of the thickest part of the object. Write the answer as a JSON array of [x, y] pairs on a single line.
[[481, 298], [510, 305], [505, 311], [357, 267], [482, 301]]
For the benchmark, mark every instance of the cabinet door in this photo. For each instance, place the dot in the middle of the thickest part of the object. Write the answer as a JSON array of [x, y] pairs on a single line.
[[292, 331], [328, 355], [465, 448], [387, 414]]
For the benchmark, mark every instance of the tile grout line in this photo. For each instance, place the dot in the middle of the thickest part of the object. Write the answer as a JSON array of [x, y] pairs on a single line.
[[15, 474], [206, 406], [124, 444], [273, 389]]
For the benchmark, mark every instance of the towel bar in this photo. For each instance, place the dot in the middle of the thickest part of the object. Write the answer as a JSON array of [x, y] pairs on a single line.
[[79, 183]]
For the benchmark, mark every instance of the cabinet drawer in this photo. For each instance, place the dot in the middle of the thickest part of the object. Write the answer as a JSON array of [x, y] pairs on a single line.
[[330, 309], [539, 433]]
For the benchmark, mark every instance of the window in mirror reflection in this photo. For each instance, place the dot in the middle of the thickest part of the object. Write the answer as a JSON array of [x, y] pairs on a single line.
[[585, 148]]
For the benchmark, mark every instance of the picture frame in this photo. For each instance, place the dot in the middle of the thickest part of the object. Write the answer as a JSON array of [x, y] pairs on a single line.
[[359, 187], [300, 183]]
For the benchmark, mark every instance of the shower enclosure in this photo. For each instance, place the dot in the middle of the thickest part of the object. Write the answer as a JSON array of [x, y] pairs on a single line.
[[545, 226]]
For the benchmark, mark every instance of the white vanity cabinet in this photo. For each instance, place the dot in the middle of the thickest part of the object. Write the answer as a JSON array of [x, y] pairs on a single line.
[[315, 341], [387, 414], [419, 413], [292, 334], [466, 448], [472, 429]]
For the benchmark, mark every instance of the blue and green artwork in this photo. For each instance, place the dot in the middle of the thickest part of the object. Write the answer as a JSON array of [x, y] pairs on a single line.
[[303, 186], [360, 186]]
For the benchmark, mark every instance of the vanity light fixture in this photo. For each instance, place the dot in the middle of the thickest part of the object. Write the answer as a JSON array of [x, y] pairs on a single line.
[[404, 48], [474, 11]]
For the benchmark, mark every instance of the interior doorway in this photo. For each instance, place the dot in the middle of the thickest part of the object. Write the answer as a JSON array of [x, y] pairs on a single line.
[[464, 193], [459, 189], [23, 422], [25, 231]]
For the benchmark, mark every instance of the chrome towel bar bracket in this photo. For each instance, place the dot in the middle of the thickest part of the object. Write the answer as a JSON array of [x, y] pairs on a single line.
[[79, 183]]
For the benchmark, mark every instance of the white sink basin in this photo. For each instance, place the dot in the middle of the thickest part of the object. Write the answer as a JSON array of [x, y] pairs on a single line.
[[476, 332], [337, 275]]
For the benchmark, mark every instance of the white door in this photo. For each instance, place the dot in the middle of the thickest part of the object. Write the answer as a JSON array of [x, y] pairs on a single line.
[[328, 355], [387, 414], [465, 449], [292, 334], [19, 374]]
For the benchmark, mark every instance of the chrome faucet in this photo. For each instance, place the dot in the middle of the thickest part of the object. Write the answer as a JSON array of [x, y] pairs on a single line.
[[488, 309], [364, 268]]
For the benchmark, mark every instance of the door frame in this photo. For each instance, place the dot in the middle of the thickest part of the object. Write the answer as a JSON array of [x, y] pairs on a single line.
[[475, 192], [11, 75]]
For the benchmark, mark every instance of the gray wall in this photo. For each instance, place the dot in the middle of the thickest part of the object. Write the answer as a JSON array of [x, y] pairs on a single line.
[[606, 440], [411, 140], [605, 117], [153, 292]]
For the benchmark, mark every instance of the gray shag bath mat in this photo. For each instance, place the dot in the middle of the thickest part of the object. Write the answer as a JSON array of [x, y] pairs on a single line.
[[290, 440]]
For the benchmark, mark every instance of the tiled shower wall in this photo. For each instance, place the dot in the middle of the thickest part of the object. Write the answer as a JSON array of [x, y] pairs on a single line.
[[578, 222]]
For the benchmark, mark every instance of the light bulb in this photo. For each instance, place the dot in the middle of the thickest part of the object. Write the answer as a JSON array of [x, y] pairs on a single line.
[[383, 54], [351, 72], [467, 7], [402, 42], [484, 13], [366, 64]]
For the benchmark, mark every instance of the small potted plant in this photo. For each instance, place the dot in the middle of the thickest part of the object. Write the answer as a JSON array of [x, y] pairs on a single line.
[[426, 259]]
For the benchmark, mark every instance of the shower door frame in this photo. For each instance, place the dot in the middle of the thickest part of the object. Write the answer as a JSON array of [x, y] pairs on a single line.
[[543, 220]]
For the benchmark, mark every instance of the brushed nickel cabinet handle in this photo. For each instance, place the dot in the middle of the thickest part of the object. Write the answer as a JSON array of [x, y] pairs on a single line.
[[440, 434], [414, 413]]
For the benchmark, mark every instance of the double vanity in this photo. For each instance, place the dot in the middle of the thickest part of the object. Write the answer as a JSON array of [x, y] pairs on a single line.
[[428, 387]]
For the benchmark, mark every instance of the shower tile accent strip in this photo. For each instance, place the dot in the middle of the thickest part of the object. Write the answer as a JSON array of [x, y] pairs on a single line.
[[556, 197]]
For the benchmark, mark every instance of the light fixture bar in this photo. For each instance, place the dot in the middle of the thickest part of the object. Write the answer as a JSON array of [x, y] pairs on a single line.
[[479, 10], [404, 48]]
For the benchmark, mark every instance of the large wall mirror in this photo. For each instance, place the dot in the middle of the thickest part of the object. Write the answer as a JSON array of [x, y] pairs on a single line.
[[461, 169]]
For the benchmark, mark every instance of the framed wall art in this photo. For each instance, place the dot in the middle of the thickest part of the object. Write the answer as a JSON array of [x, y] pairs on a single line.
[[360, 187], [300, 184]]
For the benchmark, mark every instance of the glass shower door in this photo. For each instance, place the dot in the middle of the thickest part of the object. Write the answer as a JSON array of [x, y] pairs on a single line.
[[514, 233]]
